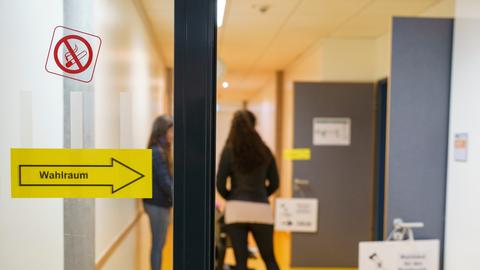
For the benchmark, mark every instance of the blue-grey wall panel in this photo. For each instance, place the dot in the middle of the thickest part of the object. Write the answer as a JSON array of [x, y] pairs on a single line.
[[420, 91]]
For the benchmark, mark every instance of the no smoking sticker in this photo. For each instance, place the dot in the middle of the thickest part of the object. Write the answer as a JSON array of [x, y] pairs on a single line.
[[73, 54]]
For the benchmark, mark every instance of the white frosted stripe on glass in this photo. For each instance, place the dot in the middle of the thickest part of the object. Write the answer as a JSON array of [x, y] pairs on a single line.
[[126, 135], [26, 114], [76, 120]]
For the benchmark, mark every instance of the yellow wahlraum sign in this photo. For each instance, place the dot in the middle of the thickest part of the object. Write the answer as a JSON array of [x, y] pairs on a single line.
[[297, 154], [81, 173]]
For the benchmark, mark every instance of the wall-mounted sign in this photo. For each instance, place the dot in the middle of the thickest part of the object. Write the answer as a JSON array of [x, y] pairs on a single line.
[[331, 131], [396, 255], [296, 215], [297, 154], [461, 147], [81, 173]]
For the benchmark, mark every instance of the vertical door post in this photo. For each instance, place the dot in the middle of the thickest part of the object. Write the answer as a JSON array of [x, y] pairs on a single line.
[[194, 142]]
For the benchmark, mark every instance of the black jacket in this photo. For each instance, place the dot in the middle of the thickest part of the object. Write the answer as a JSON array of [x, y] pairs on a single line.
[[161, 178], [252, 186]]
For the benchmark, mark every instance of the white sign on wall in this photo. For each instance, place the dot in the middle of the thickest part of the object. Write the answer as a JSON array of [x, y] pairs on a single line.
[[331, 131], [296, 215], [400, 255], [461, 147]]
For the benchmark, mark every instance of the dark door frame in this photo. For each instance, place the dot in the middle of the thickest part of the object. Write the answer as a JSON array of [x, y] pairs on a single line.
[[194, 150], [380, 157]]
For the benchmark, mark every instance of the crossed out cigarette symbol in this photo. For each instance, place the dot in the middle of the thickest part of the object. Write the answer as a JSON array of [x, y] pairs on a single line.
[[72, 56]]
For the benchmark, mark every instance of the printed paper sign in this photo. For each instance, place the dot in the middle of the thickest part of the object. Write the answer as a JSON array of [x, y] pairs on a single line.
[[81, 173], [296, 215], [400, 255], [73, 54], [461, 147], [331, 131]]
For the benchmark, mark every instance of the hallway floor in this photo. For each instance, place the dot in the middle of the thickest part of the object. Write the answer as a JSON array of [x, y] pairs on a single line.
[[282, 250]]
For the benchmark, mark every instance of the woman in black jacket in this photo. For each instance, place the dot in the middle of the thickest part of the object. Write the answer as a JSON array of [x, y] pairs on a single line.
[[158, 207], [253, 174]]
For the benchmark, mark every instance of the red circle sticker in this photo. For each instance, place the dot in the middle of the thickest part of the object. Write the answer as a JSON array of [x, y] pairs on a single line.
[[77, 49]]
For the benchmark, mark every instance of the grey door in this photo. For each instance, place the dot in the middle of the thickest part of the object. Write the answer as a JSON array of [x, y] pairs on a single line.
[[341, 177]]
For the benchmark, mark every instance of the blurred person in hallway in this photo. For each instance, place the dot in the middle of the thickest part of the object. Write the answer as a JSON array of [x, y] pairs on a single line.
[[158, 207], [253, 174]]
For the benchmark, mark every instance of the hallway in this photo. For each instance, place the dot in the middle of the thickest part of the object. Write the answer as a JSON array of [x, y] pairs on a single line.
[[366, 107]]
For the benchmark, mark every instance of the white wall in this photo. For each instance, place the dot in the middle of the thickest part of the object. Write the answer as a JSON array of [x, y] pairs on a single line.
[[383, 56], [129, 85], [225, 112], [463, 189], [334, 59], [263, 105], [31, 230]]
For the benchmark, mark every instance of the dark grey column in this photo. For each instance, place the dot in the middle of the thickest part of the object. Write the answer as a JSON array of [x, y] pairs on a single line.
[[419, 113], [79, 214], [194, 150]]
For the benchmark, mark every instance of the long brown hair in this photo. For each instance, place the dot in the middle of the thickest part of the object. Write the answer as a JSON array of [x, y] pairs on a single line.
[[158, 137], [160, 126], [249, 150]]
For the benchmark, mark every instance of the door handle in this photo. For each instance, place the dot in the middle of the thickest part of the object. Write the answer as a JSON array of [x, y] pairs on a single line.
[[301, 182]]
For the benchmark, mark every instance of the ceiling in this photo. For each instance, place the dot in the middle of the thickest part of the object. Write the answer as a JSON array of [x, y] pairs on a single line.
[[253, 43]]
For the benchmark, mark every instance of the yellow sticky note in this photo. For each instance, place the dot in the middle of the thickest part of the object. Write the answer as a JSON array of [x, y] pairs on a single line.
[[81, 173], [297, 154]]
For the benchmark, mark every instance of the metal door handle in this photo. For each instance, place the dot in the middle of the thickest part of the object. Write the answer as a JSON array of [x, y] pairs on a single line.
[[301, 182]]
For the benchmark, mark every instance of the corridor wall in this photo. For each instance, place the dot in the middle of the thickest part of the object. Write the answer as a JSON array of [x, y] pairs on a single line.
[[129, 94], [463, 201], [263, 105]]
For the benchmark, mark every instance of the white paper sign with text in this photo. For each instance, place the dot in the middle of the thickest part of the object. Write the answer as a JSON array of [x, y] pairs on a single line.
[[332, 131], [296, 215], [399, 255]]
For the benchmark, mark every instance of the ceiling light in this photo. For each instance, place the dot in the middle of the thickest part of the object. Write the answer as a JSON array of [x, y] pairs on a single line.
[[221, 4], [225, 84]]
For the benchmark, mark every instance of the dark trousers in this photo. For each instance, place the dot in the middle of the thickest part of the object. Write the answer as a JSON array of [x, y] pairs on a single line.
[[263, 234]]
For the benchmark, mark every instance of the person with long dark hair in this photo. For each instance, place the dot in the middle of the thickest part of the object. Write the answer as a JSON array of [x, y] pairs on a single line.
[[253, 174], [158, 207]]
